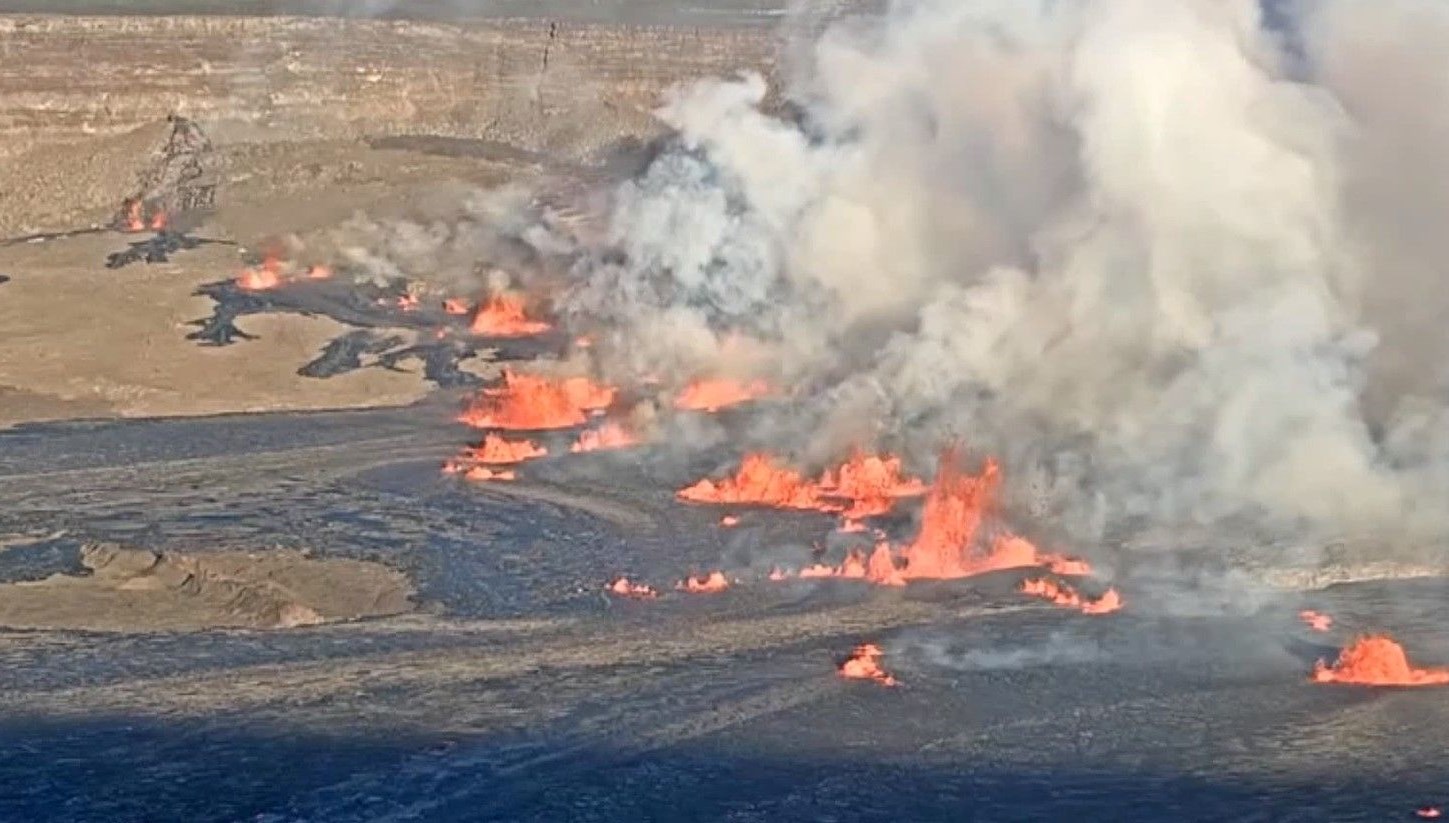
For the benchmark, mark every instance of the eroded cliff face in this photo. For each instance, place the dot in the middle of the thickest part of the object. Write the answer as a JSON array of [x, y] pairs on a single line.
[[80, 97]]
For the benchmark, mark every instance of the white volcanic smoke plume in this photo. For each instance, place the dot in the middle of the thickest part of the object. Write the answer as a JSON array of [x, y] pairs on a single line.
[[1174, 265]]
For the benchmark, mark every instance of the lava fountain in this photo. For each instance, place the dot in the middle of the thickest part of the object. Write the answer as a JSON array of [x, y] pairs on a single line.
[[864, 664], [527, 401], [504, 316], [1376, 660]]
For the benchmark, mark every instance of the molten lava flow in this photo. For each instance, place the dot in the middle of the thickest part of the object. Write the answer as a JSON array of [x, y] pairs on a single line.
[[864, 664], [1376, 660], [456, 305], [611, 435], [135, 220], [485, 473], [503, 316], [1067, 597], [527, 401], [1316, 621], [704, 584], [947, 544], [624, 588], [266, 276], [729, 521], [863, 486], [759, 481], [495, 449], [879, 567], [871, 482], [715, 394], [1067, 566]]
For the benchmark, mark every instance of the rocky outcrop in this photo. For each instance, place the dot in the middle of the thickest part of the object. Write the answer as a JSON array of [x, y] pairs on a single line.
[[132, 589]]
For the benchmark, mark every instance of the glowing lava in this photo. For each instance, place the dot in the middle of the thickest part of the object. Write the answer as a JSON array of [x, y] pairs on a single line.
[[503, 316], [1316, 621], [864, 664], [760, 481], [729, 521], [527, 401], [135, 220], [1376, 660], [610, 435], [1068, 566], [1067, 597], [867, 483], [496, 450], [704, 584], [871, 482], [456, 305], [715, 394], [266, 276], [484, 473], [623, 587], [1428, 812]]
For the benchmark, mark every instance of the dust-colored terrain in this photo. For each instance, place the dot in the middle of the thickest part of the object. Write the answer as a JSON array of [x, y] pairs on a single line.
[[130, 589], [300, 110]]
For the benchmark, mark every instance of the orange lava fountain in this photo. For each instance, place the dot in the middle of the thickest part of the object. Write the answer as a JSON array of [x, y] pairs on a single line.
[[527, 401], [1376, 660], [864, 664], [610, 435], [503, 316], [135, 221], [864, 486], [714, 394], [871, 482], [704, 584], [623, 587], [948, 545], [759, 481], [497, 450], [1316, 621], [266, 276], [1067, 597]]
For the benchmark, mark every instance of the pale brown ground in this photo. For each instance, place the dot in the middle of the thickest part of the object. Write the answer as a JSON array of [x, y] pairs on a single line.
[[130, 589], [289, 103]]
